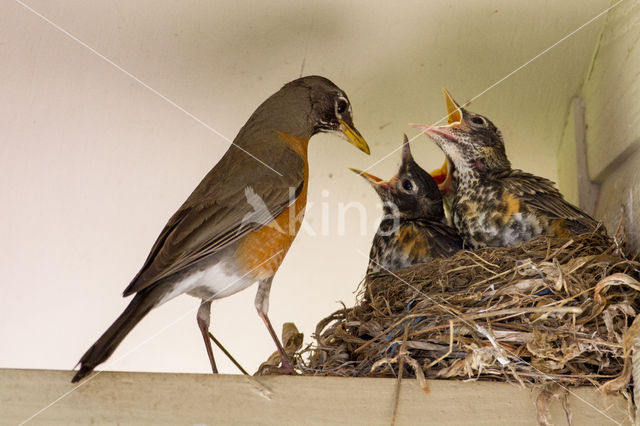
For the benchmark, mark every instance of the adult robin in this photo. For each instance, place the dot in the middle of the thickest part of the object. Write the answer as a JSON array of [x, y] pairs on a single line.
[[237, 225], [493, 204], [412, 229]]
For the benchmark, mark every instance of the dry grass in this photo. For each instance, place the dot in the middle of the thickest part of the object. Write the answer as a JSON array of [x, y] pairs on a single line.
[[549, 311]]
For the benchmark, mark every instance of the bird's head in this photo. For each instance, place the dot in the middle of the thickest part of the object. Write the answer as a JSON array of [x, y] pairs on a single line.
[[330, 109], [412, 190], [470, 141]]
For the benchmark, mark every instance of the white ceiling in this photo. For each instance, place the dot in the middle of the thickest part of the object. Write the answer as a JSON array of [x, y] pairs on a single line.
[[94, 162]]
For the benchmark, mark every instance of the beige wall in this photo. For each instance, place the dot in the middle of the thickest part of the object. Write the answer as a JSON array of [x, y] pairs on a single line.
[[611, 126], [93, 163], [612, 95]]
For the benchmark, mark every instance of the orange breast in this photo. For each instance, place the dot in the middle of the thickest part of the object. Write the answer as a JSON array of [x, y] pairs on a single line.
[[262, 251]]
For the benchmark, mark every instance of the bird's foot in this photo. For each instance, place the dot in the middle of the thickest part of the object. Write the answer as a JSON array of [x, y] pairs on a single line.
[[287, 368]]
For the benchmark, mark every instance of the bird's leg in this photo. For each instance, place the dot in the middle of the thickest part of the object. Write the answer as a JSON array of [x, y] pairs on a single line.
[[262, 305], [228, 354], [204, 318]]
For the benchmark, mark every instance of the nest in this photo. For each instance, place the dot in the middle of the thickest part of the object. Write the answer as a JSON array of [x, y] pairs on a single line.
[[550, 311]]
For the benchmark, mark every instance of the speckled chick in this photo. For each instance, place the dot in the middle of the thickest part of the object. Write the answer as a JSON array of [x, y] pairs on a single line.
[[412, 229], [493, 204]]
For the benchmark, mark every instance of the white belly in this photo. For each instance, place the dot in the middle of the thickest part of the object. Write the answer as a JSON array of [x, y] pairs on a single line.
[[215, 282]]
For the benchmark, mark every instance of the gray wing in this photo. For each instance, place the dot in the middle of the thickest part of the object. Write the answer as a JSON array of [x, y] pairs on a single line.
[[541, 195], [444, 241], [219, 212]]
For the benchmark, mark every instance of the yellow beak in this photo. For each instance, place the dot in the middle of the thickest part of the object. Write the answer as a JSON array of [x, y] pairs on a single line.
[[354, 137], [453, 109]]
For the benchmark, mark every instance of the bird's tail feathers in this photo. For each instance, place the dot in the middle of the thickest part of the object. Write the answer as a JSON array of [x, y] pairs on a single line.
[[102, 349]]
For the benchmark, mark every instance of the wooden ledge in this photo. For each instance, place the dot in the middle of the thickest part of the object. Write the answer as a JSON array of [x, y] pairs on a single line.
[[205, 399]]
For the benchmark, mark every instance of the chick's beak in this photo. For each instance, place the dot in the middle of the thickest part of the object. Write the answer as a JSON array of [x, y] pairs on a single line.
[[454, 119], [373, 180], [353, 136], [437, 130], [406, 152], [454, 112]]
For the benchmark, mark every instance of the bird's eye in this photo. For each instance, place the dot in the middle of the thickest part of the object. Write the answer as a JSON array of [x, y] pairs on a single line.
[[478, 120], [341, 106], [406, 184]]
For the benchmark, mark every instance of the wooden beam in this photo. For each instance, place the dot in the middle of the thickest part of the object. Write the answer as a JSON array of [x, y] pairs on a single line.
[[573, 176], [47, 397], [611, 92], [588, 190], [567, 161]]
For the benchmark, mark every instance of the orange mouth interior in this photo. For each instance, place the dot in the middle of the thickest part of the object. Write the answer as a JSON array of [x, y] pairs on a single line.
[[440, 175], [444, 177]]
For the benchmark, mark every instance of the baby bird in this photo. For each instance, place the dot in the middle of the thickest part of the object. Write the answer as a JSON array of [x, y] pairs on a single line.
[[493, 204], [412, 229]]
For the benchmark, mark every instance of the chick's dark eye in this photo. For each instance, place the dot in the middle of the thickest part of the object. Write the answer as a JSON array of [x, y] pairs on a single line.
[[478, 120], [406, 184], [341, 106]]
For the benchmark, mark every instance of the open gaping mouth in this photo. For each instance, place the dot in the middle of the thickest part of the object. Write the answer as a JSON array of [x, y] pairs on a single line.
[[444, 176]]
